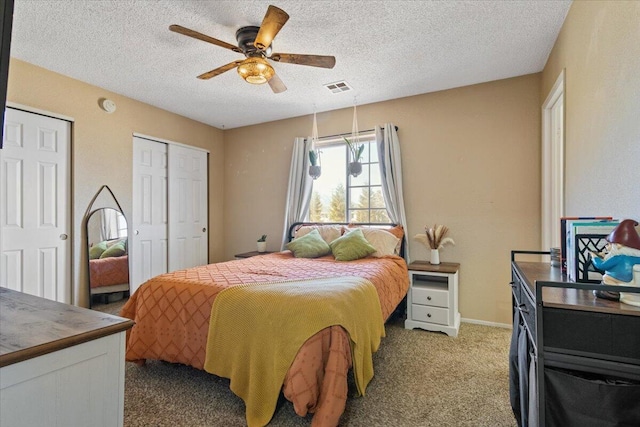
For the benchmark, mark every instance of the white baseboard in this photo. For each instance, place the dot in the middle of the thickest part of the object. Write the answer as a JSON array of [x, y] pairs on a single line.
[[485, 323]]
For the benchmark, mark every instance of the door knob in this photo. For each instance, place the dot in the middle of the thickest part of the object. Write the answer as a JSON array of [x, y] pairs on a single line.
[[63, 236], [204, 229], [136, 232]]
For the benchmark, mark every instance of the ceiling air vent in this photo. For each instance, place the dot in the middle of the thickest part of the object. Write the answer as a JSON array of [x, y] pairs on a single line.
[[338, 87]]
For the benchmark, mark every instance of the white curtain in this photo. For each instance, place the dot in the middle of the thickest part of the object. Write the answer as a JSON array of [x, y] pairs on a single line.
[[391, 176], [300, 183], [109, 224]]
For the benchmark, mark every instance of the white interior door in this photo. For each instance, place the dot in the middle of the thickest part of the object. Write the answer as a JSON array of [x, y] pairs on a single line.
[[35, 205], [188, 234], [149, 224]]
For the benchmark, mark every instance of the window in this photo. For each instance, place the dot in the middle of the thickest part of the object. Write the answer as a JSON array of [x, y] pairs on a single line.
[[340, 197], [122, 226], [113, 223]]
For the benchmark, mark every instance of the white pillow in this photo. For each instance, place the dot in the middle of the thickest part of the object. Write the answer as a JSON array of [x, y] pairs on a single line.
[[384, 242], [329, 233]]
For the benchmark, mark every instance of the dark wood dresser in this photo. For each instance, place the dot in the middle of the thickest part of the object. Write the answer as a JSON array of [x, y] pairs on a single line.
[[582, 361]]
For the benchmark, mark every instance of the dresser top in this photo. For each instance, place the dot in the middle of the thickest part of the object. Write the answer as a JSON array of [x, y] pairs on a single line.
[[578, 299], [31, 326]]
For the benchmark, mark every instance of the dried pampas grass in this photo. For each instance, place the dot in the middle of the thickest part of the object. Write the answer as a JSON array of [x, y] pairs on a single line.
[[435, 237]]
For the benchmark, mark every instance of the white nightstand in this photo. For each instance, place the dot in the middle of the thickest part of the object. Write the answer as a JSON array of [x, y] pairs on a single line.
[[432, 301]]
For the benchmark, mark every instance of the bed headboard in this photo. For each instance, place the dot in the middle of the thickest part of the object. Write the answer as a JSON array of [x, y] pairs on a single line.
[[296, 225]]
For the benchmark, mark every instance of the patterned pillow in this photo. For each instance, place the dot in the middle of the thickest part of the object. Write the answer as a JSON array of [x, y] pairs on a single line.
[[351, 246], [311, 245]]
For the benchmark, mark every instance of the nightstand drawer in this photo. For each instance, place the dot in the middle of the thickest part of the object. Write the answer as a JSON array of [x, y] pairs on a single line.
[[434, 297], [425, 313]]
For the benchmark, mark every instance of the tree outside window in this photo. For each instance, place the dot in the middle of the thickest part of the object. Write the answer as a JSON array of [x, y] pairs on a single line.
[[339, 197]]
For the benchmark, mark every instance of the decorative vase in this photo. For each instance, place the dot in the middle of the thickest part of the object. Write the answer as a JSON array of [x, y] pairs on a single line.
[[262, 246], [435, 257], [315, 171], [355, 169]]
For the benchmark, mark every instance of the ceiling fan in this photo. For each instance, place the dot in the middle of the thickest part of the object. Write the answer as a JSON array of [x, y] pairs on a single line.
[[255, 44]]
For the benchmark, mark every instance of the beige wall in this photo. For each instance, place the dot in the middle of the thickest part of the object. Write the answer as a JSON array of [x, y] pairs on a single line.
[[470, 161], [102, 147], [599, 48]]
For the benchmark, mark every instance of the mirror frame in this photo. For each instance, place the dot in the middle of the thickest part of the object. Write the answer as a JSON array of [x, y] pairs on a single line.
[[88, 214]]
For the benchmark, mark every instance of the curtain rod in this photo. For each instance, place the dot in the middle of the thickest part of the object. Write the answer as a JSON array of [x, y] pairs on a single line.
[[349, 133]]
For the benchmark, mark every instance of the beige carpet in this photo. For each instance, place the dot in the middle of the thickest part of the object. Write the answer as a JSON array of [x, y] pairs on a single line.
[[421, 379]]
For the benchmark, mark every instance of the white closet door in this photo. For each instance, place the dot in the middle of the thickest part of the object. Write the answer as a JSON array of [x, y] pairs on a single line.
[[149, 238], [188, 234], [35, 206]]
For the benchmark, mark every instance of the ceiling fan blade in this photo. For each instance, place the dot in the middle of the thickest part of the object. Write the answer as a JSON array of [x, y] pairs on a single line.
[[196, 35], [220, 70], [276, 84], [312, 60], [273, 21]]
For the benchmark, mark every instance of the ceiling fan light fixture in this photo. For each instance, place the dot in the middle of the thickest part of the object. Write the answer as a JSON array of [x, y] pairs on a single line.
[[256, 71]]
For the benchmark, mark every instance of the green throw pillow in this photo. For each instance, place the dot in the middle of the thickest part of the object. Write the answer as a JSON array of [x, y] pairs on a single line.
[[351, 246], [115, 250], [311, 245], [96, 250]]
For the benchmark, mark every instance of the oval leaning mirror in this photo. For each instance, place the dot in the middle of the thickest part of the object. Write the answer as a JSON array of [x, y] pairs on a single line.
[[107, 249]]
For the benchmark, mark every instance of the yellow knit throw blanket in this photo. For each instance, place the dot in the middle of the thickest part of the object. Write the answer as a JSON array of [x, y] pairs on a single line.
[[256, 331]]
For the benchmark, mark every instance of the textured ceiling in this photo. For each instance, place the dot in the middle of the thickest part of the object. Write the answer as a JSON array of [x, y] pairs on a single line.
[[383, 50]]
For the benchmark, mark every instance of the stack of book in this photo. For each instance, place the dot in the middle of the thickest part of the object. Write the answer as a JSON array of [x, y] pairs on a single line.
[[582, 236]]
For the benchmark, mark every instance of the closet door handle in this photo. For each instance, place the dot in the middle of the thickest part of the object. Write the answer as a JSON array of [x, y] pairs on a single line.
[[63, 237], [204, 229]]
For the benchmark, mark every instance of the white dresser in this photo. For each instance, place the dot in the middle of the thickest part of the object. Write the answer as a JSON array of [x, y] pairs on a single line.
[[432, 300], [59, 364]]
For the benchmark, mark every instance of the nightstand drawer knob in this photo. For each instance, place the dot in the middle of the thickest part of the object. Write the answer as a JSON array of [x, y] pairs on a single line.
[[428, 314], [428, 298]]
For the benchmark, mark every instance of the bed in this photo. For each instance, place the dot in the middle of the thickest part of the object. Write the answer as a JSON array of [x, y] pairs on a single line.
[[172, 313], [108, 268], [107, 273]]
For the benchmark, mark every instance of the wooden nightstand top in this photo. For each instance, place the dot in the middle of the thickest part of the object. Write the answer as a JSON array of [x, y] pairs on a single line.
[[443, 267], [252, 253]]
